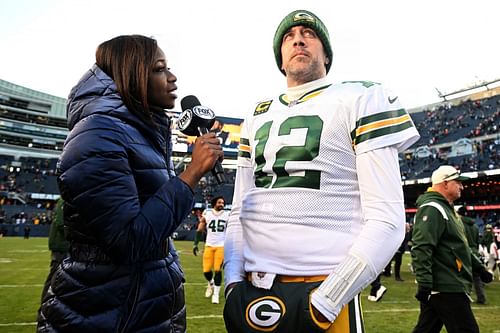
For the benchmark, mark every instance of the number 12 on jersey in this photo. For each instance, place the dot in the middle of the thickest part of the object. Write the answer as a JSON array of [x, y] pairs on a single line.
[[313, 126]]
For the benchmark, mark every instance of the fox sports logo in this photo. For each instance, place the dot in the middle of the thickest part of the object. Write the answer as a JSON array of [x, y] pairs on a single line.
[[203, 112]]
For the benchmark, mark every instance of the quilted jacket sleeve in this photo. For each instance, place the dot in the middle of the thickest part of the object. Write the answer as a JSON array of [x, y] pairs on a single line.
[[129, 210]]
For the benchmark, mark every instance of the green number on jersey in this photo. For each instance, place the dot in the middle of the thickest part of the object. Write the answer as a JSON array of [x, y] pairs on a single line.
[[217, 225], [262, 134], [307, 152]]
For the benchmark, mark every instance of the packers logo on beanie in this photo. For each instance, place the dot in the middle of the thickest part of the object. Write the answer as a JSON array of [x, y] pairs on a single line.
[[307, 19]]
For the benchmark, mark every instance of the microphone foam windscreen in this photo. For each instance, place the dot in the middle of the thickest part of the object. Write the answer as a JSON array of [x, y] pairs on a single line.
[[189, 102]]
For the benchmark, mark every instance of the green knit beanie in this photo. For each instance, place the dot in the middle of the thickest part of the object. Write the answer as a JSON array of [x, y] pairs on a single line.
[[308, 19]]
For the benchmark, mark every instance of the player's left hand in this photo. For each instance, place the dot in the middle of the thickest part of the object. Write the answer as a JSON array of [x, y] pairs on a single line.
[[195, 250]]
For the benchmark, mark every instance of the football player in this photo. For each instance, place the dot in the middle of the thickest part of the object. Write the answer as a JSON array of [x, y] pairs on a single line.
[[213, 222], [318, 205]]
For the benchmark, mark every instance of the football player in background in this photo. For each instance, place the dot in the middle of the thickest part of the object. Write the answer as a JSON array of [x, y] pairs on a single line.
[[213, 222], [318, 205]]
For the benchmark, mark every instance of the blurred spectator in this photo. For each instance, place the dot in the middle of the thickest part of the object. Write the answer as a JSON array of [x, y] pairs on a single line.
[[27, 230], [472, 234], [58, 245]]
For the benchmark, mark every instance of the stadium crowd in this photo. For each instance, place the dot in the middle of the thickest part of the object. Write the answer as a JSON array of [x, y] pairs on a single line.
[[447, 122], [485, 156], [440, 126]]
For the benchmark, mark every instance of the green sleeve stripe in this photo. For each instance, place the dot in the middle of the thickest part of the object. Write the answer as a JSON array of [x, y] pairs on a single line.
[[245, 141], [380, 116], [381, 132], [378, 120], [244, 154]]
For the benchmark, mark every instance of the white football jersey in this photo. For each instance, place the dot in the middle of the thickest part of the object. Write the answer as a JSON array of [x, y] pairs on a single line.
[[303, 155], [216, 226]]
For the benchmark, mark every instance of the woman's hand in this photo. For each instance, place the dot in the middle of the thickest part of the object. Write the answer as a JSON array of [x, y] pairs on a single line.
[[206, 151]]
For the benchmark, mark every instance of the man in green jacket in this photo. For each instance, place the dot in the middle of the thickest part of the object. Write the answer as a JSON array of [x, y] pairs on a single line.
[[442, 259], [58, 245], [472, 234]]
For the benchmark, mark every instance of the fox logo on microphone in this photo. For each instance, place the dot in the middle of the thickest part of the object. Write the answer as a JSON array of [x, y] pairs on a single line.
[[184, 120], [203, 112], [264, 314], [197, 120]]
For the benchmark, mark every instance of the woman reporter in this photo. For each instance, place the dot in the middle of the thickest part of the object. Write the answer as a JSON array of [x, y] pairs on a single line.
[[122, 197]]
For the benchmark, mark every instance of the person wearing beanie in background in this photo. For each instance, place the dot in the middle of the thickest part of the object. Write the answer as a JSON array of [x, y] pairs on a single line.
[[213, 222], [318, 204], [442, 259]]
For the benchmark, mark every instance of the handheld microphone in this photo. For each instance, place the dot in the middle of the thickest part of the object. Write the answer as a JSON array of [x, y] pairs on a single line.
[[195, 120]]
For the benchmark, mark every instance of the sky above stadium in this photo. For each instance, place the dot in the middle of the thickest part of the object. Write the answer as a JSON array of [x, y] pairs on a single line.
[[221, 51]]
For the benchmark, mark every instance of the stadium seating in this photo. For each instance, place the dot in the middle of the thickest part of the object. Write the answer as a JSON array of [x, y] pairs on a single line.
[[30, 144], [447, 123]]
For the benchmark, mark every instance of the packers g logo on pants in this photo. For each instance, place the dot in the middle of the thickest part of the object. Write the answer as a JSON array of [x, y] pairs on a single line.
[[264, 314]]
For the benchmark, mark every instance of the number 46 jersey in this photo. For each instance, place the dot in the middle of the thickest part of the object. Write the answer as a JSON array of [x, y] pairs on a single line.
[[303, 156]]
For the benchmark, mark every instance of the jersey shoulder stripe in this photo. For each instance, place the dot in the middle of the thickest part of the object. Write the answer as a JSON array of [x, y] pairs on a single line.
[[244, 148], [380, 124]]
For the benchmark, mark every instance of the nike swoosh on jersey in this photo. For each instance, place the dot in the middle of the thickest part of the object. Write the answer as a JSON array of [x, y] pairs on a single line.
[[392, 100]]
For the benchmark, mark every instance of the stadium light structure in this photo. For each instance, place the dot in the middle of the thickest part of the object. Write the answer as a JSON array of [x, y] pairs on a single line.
[[471, 175], [481, 86]]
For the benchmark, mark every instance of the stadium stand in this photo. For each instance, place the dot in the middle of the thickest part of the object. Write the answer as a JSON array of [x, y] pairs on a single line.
[[448, 123], [462, 132]]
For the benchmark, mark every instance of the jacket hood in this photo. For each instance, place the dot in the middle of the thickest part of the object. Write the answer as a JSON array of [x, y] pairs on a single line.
[[431, 195], [96, 93]]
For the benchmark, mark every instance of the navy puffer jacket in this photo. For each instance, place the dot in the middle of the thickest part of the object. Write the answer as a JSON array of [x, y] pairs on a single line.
[[122, 202]]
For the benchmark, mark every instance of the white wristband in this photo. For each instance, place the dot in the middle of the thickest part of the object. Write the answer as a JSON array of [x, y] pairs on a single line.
[[340, 287]]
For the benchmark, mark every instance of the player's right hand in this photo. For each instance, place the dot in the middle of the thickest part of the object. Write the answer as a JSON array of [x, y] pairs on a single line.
[[195, 250]]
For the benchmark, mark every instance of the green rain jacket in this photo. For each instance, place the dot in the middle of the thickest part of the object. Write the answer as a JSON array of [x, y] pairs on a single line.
[[472, 234], [57, 241], [441, 255]]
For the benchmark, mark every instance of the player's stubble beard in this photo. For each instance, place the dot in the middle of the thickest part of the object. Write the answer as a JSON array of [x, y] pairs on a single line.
[[301, 73]]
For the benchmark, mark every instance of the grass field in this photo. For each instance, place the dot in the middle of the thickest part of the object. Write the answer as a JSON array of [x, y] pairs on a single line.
[[24, 265]]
